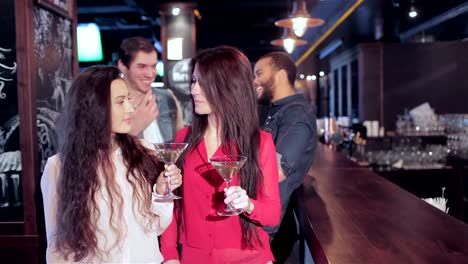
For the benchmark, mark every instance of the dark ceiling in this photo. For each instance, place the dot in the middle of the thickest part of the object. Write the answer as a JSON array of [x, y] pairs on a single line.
[[249, 24]]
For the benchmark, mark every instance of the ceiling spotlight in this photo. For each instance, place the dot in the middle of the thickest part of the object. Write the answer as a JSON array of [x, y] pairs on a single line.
[[289, 41], [412, 12], [321, 73], [197, 14], [289, 44], [175, 11], [300, 20], [302, 76]]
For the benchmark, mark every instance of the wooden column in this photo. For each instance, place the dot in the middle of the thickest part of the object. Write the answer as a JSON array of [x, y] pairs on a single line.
[[22, 235]]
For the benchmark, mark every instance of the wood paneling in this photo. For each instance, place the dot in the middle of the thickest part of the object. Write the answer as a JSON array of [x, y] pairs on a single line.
[[27, 111], [370, 76], [24, 242], [424, 72], [395, 77]]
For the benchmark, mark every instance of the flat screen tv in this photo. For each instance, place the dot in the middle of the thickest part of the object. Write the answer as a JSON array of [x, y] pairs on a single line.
[[89, 42]]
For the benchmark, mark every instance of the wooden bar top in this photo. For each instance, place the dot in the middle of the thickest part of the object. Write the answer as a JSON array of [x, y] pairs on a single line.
[[351, 215]]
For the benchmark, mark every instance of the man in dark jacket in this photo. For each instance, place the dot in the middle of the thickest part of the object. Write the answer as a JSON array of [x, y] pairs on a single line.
[[290, 119]]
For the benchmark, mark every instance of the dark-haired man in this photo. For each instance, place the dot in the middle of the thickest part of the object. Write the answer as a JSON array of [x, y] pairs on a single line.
[[291, 121], [137, 61]]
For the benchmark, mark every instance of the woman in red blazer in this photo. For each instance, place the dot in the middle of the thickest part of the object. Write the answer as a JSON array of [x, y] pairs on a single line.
[[225, 122]]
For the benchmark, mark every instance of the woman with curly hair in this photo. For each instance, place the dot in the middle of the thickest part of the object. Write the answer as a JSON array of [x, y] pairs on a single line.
[[225, 122], [97, 190]]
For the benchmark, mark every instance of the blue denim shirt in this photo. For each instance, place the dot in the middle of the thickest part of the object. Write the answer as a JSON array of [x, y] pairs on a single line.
[[167, 118], [292, 123]]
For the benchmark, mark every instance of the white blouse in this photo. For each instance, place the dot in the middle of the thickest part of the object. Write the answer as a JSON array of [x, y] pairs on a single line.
[[137, 245]]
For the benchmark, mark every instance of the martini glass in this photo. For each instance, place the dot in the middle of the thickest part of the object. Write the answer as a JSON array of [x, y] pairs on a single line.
[[228, 166], [168, 153]]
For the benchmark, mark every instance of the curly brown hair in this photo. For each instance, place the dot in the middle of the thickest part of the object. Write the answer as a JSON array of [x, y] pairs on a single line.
[[85, 149]]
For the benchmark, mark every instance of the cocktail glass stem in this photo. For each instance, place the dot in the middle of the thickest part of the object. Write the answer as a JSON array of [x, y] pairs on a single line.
[[169, 183], [229, 206]]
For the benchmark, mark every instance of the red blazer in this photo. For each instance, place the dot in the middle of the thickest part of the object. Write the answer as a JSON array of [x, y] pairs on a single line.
[[207, 237]]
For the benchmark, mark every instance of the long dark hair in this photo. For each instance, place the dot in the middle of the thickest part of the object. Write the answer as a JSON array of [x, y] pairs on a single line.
[[227, 80], [85, 149]]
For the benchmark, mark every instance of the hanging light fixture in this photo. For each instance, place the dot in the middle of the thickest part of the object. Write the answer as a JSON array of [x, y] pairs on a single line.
[[289, 41], [300, 20], [412, 11]]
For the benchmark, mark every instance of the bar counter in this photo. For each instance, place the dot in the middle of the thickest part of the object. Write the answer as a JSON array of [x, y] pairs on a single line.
[[348, 214]]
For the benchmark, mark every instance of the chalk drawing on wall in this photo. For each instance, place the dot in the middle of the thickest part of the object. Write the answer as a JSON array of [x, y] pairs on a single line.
[[10, 152], [7, 70], [10, 165], [10, 155], [53, 50]]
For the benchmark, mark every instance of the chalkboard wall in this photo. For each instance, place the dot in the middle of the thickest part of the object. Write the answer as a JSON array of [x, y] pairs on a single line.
[[53, 50], [10, 156]]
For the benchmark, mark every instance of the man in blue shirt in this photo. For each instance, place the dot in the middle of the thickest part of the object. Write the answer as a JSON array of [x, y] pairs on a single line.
[[290, 119]]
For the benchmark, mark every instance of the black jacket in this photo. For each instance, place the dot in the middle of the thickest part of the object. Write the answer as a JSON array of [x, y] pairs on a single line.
[[292, 123]]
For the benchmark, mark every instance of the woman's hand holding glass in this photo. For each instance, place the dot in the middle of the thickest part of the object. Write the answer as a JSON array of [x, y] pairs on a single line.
[[238, 199], [160, 187]]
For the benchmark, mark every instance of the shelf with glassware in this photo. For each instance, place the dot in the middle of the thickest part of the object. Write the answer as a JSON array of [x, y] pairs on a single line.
[[422, 161], [414, 146], [401, 152], [425, 144]]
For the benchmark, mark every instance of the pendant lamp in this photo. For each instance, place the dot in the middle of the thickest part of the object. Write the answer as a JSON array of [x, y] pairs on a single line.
[[289, 41], [300, 20]]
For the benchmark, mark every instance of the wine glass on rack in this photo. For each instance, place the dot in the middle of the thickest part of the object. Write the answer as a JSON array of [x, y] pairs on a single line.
[[168, 153], [228, 166]]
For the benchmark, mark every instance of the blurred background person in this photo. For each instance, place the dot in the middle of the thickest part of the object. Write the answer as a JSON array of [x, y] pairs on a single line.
[[292, 122], [157, 115]]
